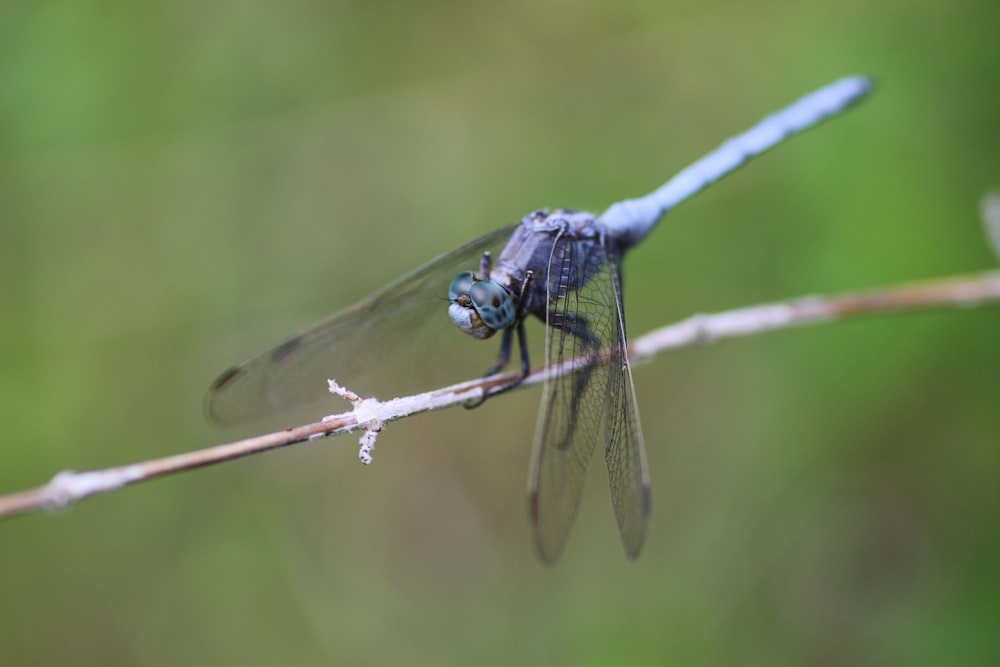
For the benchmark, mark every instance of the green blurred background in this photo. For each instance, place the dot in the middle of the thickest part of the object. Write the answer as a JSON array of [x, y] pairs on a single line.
[[183, 183]]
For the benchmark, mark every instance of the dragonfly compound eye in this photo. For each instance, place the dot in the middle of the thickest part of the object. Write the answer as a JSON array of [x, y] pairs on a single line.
[[493, 304], [460, 285]]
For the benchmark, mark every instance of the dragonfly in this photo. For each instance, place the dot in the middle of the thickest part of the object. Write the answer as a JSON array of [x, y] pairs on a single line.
[[562, 268]]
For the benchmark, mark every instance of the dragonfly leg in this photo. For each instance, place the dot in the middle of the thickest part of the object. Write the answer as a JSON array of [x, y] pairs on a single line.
[[501, 362], [522, 341], [504, 352]]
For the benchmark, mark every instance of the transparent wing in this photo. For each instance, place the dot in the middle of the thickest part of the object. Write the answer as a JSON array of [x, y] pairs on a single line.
[[625, 454], [583, 408], [396, 341]]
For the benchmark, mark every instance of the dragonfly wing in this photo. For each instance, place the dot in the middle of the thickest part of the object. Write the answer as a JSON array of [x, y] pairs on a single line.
[[579, 325], [625, 453], [386, 344]]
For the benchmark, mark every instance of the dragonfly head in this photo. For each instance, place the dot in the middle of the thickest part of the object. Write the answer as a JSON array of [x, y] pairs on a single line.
[[480, 308]]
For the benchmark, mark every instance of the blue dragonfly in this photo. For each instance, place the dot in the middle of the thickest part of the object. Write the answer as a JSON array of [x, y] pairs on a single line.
[[562, 267]]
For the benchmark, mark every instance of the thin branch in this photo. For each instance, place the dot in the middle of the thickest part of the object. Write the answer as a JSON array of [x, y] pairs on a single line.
[[370, 415], [959, 291]]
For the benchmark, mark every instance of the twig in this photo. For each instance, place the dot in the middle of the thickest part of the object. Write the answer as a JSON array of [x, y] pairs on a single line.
[[369, 414], [958, 291]]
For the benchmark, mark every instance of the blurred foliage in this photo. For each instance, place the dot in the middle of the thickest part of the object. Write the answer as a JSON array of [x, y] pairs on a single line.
[[183, 183]]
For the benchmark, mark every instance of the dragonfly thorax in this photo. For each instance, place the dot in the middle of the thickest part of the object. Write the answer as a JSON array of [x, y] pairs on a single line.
[[480, 308]]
